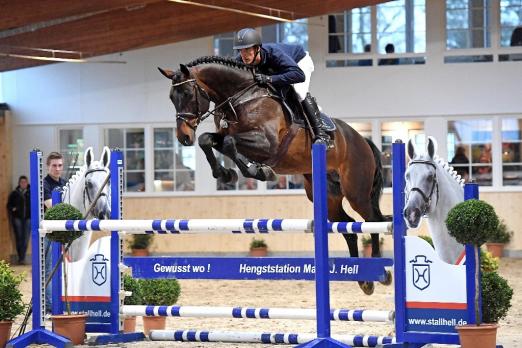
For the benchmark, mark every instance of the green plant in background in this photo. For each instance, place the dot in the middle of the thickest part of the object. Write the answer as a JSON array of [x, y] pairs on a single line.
[[159, 292], [132, 285], [63, 211], [141, 241], [496, 297], [488, 263], [502, 234], [427, 239], [258, 243], [471, 222], [11, 303]]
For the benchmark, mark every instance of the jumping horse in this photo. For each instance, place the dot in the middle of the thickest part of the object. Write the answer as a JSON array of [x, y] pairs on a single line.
[[253, 128]]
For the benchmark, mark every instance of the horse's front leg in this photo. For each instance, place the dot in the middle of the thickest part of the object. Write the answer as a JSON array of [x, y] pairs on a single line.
[[208, 141], [252, 141]]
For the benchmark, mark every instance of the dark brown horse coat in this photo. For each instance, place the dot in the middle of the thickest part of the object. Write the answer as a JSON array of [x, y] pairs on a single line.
[[251, 129]]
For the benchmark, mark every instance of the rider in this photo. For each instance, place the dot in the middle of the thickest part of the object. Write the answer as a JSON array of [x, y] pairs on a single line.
[[282, 65]]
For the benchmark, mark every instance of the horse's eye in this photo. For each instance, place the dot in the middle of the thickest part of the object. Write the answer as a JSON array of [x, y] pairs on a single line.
[[430, 178], [89, 185]]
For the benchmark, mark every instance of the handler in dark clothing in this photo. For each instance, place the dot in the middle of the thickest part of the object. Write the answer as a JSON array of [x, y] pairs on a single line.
[[282, 65], [19, 207]]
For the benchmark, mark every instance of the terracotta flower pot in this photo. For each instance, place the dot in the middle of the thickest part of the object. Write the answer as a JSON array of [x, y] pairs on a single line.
[[140, 252], [5, 332], [367, 250], [153, 323], [258, 252], [70, 326], [129, 324], [482, 336], [496, 249]]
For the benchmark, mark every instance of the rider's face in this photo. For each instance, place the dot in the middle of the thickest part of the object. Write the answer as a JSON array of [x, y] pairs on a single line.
[[249, 54]]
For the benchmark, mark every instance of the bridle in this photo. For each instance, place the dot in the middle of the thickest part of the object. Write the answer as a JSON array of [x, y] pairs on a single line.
[[100, 193], [200, 115], [435, 186]]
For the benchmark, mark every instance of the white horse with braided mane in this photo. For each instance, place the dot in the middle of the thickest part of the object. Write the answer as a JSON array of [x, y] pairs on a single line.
[[81, 191], [432, 189]]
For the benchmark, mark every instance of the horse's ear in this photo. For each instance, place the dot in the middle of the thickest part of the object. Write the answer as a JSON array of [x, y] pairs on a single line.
[[411, 149], [105, 158], [432, 146], [184, 70], [167, 73], [88, 156]]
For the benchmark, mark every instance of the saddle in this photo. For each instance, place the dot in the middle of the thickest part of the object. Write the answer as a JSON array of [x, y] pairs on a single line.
[[295, 114]]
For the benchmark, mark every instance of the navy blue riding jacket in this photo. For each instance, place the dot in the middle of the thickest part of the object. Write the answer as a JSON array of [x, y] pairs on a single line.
[[280, 62]]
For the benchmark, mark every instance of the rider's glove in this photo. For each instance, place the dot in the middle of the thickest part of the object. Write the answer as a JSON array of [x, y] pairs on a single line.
[[262, 79]]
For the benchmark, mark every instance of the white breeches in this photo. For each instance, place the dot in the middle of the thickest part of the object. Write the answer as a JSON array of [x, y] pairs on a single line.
[[307, 65]]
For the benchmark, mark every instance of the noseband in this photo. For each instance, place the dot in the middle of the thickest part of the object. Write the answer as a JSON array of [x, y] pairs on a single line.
[[426, 198], [187, 117]]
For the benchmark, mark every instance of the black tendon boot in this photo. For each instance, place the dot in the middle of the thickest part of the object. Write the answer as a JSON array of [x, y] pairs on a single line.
[[314, 117]]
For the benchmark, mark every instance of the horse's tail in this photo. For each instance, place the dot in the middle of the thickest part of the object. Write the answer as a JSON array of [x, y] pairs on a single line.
[[378, 183]]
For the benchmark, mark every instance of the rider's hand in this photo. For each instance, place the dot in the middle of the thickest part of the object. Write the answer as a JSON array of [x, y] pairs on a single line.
[[262, 79]]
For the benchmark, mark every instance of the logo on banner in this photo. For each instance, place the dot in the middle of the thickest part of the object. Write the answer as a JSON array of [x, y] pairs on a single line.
[[421, 272], [99, 269]]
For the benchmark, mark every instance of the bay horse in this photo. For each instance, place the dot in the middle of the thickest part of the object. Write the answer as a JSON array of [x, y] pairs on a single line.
[[252, 128], [432, 189]]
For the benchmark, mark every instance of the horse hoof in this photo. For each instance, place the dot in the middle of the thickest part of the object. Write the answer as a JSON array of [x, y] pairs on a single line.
[[232, 174], [367, 287], [388, 278], [268, 173]]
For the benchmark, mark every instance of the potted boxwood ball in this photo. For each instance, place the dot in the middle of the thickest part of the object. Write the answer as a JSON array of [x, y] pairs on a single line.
[[140, 244], [258, 248], [496, 297], [131, 285], [497, 240], [68, 325], [472, 222], [158, 292], [11, 304]]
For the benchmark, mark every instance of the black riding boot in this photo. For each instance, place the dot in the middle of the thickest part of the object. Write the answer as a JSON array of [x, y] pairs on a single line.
[[314, 117]]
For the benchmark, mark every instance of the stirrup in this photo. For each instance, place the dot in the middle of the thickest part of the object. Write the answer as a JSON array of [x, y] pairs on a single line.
[[324, 139]]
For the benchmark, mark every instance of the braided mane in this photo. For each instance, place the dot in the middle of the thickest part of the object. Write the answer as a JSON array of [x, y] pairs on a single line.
[[226, 61], [447, 168], [73, 180]]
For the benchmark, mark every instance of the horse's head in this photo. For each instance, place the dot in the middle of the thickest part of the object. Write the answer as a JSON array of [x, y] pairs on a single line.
[[421, 184], [190, 100], [96, 175]]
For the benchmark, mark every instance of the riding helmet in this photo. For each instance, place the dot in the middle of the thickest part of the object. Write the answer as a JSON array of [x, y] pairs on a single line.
[[246, 38]]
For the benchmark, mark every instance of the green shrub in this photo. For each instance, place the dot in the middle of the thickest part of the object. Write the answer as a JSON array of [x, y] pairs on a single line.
[[159, 292], [427, 239], [132, 285], [367, 240], [258, 243], [488, 263], [502, 234], [11, 303], [472, 222], [141, 241], [496, 297], [63, 211]]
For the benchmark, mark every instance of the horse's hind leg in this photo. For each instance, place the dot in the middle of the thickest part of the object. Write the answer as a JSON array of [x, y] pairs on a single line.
[[336, 212], [208, 141]]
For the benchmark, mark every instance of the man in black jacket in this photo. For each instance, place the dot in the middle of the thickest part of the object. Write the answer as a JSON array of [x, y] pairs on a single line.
[[19, 207], [283, 66]]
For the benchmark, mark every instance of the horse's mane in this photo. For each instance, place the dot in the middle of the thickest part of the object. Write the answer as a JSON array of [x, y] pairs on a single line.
[[226, 61], [74, 179], [448, 169]]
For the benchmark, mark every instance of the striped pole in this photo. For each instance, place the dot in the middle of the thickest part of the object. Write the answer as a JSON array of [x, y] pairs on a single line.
[[257, 313], [173, 226], [265, 337]]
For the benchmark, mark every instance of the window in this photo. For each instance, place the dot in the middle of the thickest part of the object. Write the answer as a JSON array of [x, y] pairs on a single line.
[[510, 19], [363, 128], [132, 142], [72, 148], [174, 164], [400, 23], [469, 149], [287, 182], [467, 24], [391, 131], [223, 44], [242, 182], [511, 152], [290, 33]]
